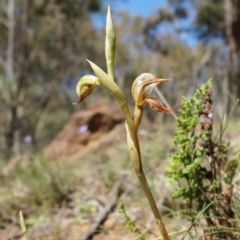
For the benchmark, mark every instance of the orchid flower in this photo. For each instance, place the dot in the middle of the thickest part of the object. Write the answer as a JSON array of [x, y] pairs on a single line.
[[142, 88]]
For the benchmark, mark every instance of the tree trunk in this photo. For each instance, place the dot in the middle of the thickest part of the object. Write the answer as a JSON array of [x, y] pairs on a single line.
[[232, 16], [9, 134], [16, 72]]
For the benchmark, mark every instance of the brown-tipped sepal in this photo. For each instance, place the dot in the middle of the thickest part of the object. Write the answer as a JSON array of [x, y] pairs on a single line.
[[157, 106], [85, 87]]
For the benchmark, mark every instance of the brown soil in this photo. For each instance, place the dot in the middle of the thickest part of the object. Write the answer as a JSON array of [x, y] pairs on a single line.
[[100, 128], [86, 130]]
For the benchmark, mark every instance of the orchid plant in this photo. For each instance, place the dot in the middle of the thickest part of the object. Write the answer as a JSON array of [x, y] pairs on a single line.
[[141, 90]]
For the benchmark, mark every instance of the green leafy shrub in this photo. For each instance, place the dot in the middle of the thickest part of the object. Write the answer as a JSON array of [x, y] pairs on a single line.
[[130, 224], [201, 167]]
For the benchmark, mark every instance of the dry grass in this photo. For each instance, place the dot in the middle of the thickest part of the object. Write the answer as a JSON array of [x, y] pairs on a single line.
[[62, 199]]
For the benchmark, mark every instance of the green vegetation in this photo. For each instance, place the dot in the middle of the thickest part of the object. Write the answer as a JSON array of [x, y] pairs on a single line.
[[43, 48], [203, 169], [130, 224], [36, 184], [38, 199]]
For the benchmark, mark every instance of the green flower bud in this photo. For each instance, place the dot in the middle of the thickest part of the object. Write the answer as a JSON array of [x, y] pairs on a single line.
[[86, 86], [110, 43]]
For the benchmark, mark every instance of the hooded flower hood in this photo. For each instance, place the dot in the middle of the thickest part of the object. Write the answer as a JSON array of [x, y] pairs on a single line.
[[142, 88]]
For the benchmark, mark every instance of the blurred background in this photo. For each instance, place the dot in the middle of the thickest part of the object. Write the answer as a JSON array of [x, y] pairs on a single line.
[[44, 45]]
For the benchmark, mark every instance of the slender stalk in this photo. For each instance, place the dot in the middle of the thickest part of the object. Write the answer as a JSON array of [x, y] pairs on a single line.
[[23, 225], [152, 203], [132, 140], [135, 156]]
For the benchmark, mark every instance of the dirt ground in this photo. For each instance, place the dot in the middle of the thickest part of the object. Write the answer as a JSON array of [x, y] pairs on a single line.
[[98, 130]]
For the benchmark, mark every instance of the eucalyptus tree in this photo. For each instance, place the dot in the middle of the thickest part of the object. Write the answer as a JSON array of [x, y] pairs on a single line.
[[39, 48]]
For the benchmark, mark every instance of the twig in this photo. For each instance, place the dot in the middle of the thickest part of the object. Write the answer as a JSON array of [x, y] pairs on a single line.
[[111, 202]]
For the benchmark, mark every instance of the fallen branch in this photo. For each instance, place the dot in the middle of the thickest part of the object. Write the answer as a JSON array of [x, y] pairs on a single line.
[[17, 236], [111, 202]]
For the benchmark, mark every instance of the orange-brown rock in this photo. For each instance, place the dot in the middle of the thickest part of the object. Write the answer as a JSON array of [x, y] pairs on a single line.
[[85, 130]]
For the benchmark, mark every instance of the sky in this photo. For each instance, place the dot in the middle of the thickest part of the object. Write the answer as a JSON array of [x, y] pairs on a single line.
[[140, 7], [135, 7], [145, 8]]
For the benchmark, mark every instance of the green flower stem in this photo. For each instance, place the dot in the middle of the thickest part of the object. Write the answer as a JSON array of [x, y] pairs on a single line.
[[138, 111], [137, 164], [133, 143], [23, 225], [152, 203]]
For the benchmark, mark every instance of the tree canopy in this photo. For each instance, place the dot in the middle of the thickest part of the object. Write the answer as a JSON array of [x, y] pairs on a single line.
[[44, 43]]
